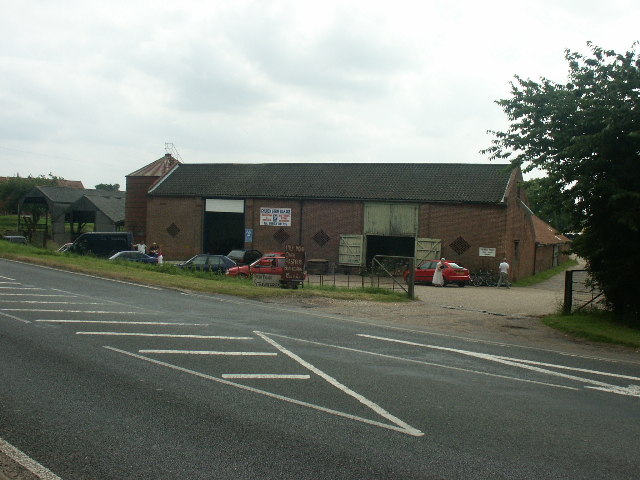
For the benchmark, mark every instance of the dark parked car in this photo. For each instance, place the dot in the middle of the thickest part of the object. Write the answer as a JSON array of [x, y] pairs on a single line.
[[452, 273], [102, 244], [208, 263], [244, 257], [15, 239], [134, 256]]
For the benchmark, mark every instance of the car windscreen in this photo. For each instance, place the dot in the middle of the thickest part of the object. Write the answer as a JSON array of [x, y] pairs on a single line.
[[454, 265]]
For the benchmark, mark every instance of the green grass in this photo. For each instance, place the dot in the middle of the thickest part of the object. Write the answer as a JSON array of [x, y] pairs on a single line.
[[169, 276], [546, 275], [595, 326]]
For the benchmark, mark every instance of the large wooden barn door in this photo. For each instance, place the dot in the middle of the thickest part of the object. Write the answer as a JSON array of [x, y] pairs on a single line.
[[427, 249], [350, 250]]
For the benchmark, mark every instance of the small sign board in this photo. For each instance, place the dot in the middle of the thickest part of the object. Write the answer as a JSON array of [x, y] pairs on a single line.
[[266, 280], [275, 217], [293, 262], [487, 252]]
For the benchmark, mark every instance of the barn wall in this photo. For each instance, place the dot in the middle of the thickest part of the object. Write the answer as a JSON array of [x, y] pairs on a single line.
[[175, 223]]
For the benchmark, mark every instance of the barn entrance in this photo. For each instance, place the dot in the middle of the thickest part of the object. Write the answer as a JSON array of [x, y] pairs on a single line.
[[391, 246], [223, 228]]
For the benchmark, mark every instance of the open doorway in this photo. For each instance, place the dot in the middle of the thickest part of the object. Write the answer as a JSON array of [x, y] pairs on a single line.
[[388, 245], [223, 232]]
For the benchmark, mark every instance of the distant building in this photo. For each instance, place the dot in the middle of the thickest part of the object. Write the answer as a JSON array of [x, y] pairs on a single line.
[[138, 185]]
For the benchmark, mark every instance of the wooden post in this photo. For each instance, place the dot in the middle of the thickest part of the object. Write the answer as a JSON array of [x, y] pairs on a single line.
[[568, 292]]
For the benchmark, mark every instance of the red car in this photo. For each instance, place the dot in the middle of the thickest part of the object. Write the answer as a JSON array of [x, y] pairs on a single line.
[[271, 265], [452, 273]]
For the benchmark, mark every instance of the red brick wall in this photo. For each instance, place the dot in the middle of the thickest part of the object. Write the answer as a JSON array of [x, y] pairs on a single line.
[[187, 216], [478, 225], [135, 210]]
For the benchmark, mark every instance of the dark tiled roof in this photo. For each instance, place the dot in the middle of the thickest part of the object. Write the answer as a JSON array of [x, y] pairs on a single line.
[[112, 204], [418, 182]]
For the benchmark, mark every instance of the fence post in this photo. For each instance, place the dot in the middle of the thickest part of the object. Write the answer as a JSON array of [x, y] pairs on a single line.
[[568, 292], [411, 279]]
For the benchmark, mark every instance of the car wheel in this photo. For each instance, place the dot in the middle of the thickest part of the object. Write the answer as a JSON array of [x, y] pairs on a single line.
[[243, 275], [461, 284]]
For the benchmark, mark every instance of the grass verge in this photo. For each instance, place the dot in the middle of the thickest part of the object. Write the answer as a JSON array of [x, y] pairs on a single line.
[[546, 275], [595, 326], [171, 277]]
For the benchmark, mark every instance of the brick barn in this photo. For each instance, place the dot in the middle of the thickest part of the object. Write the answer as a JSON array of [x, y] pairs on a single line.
[[474, 214]]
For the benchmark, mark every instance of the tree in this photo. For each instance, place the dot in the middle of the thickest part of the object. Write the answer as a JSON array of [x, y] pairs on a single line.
[[108, 187], [548, 203], [14, 188], [585, 135]]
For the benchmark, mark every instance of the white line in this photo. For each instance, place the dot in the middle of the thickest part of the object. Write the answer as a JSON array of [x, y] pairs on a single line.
[[412, 432], [27, 462], [212, 352], [368, 403], [68, 311], [512, 362], [120, 322], [11, 283], [7, 278], [2, 294], [14, 317], [575, 369], [167, 335], [266, 376], [49, 302], [422, 362], [21, 288]]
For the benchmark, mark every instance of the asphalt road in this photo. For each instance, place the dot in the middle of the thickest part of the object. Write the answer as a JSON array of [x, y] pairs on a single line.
[[107, 380]]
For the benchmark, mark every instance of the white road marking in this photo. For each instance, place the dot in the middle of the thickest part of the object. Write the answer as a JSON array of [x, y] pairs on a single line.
[[50, 302], [422, 362], [368, 403], [632, 390], [584, 370], [21, 288], [410, 431], [167, 335], [2, 294], [10, 283], [96, 312], [27, 462], [212, 352], [7, 278], [14, 317], [119, 322], [266, 376]]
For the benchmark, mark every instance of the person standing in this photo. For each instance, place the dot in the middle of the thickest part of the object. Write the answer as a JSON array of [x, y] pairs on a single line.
[[504, 273], [142, 248], [438, 278]]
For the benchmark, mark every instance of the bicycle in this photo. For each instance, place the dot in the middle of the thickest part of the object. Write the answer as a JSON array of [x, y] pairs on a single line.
[[484, 279]]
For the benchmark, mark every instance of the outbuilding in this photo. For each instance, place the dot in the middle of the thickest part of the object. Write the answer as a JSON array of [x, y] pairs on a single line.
[[474, 214]]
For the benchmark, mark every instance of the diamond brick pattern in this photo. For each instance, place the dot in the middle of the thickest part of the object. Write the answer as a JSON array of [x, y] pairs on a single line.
[[173, 230], [281, 236], [460, 245], [321, 238]]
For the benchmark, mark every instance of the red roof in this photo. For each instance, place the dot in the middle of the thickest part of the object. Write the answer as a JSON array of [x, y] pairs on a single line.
[[545, 234], [159, 168]]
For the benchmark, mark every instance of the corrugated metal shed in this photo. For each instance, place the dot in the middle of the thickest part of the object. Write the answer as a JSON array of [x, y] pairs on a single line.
[[402, 182]]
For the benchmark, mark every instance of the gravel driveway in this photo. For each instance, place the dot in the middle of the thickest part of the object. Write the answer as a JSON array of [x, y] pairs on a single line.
[[487, 313]]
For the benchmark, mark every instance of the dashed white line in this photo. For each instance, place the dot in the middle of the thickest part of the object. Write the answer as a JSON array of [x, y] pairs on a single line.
[[119, 322], [265, 376], [212, 352], [167, 335]]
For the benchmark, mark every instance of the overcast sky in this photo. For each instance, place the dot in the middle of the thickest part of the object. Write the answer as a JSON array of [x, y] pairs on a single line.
[[92, 90]]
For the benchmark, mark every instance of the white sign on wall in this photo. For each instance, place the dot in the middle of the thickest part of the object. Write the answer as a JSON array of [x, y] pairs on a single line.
[[487, 252], [275, 217]]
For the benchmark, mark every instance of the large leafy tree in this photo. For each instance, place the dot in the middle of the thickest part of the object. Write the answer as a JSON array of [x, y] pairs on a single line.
[[548, 202], [585, 134]]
